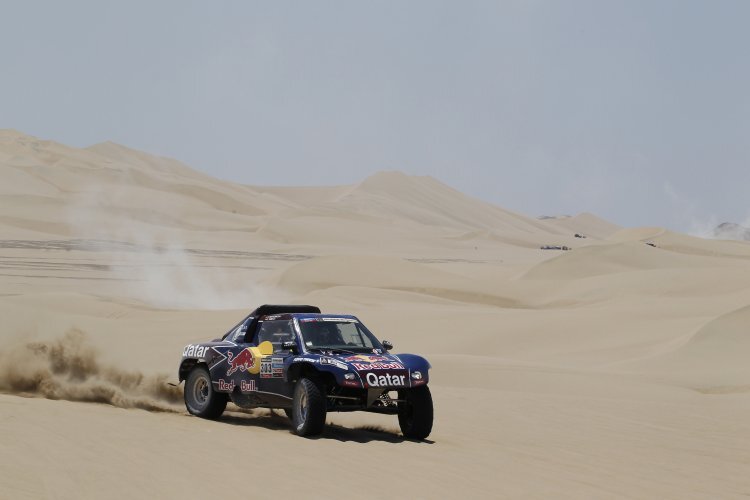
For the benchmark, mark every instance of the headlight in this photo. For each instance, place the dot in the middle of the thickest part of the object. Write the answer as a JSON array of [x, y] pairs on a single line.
[[349, 376], [416, 375]]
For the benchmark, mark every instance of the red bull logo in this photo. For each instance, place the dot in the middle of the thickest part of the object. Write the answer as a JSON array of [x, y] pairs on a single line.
[[243, 361], [226, 386], [378, 366], [247, 386], [366, 358]]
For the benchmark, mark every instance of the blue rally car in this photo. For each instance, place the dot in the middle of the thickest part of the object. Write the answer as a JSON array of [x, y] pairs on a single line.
[[307, 363]]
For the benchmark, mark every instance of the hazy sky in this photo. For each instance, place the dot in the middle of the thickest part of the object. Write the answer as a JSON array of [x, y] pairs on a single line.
[[636, 111]]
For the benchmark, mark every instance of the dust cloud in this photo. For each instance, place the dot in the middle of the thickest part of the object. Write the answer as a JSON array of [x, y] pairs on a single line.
[[67, 368]]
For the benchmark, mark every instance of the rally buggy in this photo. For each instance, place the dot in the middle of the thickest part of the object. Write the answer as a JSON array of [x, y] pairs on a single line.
[[306, 363]]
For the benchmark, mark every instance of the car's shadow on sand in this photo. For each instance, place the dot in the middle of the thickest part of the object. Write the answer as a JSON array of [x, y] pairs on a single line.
[[279, 421]]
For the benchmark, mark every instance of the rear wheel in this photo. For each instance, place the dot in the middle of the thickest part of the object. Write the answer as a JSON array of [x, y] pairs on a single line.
[[200, 398], [415, 415], [308, 408]]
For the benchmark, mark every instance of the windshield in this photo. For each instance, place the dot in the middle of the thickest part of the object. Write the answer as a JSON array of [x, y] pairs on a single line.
[[337, 334]]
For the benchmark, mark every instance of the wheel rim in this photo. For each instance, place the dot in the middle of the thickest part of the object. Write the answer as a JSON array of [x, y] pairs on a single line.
[[200, 391]]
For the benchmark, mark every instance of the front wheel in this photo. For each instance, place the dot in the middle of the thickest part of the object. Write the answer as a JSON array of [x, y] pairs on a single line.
[[308, 408], [415, 415], [200, 398]]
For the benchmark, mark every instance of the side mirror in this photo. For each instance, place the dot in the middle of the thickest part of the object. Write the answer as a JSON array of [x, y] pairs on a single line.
[[289, 345], [387, 345]]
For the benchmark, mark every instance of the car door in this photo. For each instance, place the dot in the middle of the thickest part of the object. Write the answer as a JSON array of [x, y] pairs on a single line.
[[239, 371], [271, 378]]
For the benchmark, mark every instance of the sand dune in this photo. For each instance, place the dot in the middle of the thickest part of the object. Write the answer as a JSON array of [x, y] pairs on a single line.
[[588, 225], [612, 259], [385, 274], [713, 360], [616, 369]]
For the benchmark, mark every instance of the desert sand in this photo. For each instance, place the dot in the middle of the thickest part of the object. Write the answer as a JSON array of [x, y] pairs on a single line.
[[616, 369]]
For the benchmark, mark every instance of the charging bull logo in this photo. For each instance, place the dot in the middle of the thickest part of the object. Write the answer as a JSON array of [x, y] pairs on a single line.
[[243, 361]]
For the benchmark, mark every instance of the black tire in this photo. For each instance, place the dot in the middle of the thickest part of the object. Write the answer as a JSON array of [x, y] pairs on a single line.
[[200, 398], [415, 416], [308, 408], [288, 412]]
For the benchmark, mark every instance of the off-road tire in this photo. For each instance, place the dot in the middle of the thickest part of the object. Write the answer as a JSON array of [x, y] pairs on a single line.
[[415, 416], [200, 398], [308, 408]]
